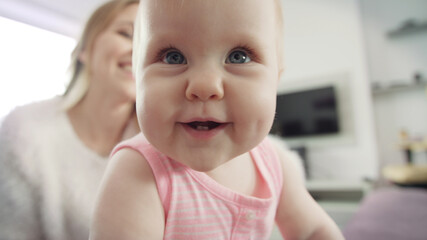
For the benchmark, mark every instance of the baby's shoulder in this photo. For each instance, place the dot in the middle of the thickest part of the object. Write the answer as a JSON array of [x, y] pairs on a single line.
[[128, 162], [128, 193]]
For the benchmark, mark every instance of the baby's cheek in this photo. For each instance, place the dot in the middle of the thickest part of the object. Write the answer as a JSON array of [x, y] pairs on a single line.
[[266, 113]]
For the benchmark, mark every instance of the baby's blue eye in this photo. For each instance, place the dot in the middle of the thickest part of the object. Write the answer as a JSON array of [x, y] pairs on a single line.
[[174, 58], [237, 57]]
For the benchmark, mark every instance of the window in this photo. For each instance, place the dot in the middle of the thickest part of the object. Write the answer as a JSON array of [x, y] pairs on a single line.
[[33, 64]]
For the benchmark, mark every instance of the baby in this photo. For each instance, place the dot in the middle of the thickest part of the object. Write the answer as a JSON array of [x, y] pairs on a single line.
[[207, 75]]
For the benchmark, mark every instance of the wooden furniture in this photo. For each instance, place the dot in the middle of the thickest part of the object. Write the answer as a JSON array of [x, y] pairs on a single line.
[[406, 174]]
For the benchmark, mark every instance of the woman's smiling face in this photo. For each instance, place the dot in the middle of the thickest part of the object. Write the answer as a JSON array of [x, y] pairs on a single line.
[[110, 61], [209, 74]]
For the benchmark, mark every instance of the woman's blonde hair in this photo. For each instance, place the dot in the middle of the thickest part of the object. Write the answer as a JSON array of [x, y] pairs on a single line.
[[98, 22]]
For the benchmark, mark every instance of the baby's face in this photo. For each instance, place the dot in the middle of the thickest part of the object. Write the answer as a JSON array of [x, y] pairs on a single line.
[[207, 88]]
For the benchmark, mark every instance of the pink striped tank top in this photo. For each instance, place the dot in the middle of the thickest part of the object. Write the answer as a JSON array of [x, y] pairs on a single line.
[[197, 207]]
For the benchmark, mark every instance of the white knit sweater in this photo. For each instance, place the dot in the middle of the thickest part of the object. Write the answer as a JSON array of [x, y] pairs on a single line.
[[48, 178]]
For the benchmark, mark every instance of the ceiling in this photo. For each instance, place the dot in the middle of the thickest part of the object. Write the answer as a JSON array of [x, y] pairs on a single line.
[[61, 16]]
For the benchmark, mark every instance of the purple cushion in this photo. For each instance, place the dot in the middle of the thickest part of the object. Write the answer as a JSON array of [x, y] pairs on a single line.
[[390, 214]]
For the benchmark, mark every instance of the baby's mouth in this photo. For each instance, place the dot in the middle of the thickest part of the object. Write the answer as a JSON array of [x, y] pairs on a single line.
[[203, 126]]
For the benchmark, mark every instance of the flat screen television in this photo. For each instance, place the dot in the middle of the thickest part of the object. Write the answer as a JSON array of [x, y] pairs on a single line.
[[312, 112]]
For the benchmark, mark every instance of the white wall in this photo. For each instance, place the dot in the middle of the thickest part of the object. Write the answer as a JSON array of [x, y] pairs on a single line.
[[324, 39], [394, 60]]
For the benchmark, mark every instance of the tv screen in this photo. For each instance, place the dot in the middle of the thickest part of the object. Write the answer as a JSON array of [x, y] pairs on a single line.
[[306, 113]]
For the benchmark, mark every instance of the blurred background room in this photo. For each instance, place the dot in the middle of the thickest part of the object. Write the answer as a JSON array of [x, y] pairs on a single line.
[[352, 100]]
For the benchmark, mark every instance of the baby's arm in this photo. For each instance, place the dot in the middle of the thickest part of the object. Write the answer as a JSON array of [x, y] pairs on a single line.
[[298, 215], [128, 205]]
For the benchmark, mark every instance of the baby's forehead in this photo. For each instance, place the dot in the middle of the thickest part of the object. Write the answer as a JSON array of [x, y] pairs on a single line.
[[183, 19], [164, 16], [193, 11]]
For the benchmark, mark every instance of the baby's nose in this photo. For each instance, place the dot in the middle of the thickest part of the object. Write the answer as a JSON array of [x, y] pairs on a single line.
[[204, 86]]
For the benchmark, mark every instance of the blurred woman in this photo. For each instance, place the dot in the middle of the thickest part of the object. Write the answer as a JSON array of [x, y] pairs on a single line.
[[53, 153]]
